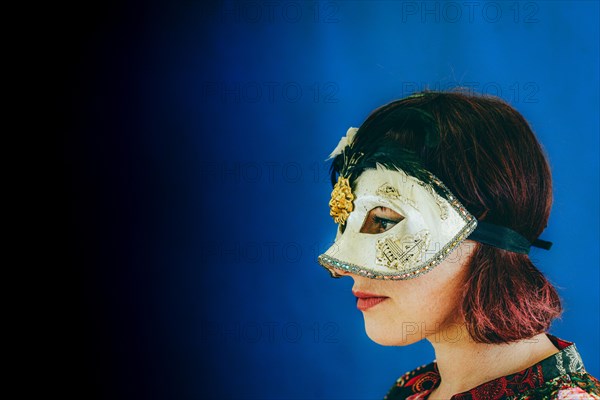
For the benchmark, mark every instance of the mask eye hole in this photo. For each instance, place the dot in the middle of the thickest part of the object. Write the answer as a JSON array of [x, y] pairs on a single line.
[[380, 219]]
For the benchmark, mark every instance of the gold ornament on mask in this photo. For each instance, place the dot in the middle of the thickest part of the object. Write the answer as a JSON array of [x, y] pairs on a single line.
[[341, 201]]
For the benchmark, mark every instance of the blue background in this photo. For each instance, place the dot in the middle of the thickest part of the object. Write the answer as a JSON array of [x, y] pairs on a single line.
[[198, 189]]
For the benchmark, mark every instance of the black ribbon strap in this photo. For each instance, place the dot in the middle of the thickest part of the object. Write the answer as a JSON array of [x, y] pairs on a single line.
[[542, 244], [505, 238]]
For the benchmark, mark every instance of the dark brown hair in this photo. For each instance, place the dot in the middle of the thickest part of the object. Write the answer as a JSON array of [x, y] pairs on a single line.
[[490, 159]]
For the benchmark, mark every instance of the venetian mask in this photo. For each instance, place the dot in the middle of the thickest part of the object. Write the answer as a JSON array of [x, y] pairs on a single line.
[[393, 225]]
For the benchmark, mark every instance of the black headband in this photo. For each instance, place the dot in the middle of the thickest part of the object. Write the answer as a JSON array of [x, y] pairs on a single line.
[[505, 238]]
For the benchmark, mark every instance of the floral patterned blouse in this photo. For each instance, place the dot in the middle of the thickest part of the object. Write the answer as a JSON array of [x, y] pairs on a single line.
[[560, 376]]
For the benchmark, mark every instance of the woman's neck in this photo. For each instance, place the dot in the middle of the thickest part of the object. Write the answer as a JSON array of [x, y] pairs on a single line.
[[464, 364]]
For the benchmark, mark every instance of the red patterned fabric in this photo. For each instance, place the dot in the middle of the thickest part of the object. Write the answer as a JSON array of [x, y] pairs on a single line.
[[560, 376]]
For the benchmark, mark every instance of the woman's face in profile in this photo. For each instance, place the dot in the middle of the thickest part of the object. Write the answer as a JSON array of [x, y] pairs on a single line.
[[401, 312]]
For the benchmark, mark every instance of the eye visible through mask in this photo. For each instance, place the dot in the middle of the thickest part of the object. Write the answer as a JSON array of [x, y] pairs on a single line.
[[380, 219]]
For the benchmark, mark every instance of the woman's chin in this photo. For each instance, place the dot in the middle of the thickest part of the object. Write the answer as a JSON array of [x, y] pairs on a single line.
[[388, 337]]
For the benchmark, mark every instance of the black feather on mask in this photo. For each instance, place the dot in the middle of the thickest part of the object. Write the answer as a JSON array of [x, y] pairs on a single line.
[[375, 144]]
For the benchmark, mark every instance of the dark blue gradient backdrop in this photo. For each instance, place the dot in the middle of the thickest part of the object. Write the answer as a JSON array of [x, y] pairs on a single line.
[[198, 188]]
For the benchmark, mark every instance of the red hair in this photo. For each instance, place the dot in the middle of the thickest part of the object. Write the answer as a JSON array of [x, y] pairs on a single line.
[[490, 159]]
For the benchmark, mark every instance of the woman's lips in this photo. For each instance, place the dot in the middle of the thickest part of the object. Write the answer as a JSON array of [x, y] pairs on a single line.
[[364, 301]]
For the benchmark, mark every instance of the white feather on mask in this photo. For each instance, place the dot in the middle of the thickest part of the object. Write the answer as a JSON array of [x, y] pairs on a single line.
[[344, 141]]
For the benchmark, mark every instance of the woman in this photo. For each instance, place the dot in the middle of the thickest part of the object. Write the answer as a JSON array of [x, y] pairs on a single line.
[[439, 197]]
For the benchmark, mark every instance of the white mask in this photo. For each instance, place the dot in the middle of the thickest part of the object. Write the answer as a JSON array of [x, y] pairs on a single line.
[[432, 227]]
